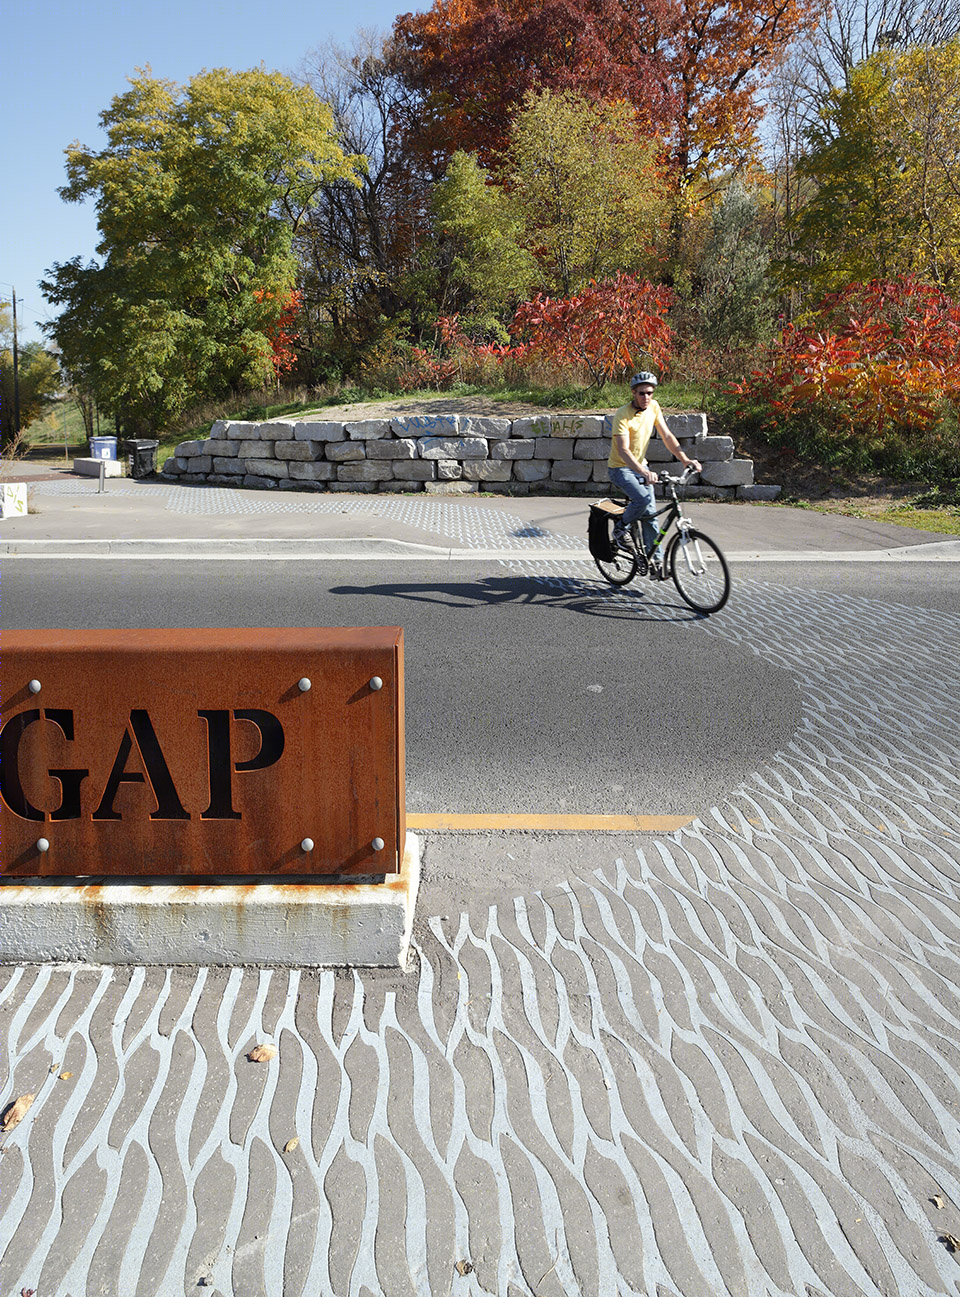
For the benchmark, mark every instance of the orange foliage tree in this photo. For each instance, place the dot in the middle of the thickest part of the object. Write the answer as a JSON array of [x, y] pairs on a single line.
[[471, 62], [692, 68]]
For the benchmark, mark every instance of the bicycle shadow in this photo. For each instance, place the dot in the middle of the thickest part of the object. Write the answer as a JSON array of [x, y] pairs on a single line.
[[648, 602]]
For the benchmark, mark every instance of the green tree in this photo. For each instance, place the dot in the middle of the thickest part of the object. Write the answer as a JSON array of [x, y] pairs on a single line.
[[198, 192], [481, 228], [588, 186], [733, 305], [38, 379]]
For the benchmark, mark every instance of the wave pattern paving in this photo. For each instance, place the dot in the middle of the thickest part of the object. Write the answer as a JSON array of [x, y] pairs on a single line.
[[727, 1064]]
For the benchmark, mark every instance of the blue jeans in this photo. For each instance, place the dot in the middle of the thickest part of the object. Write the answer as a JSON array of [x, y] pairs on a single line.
[[642, 503]]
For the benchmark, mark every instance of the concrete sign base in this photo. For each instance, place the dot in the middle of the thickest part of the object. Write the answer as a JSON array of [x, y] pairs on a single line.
[[300, 925]]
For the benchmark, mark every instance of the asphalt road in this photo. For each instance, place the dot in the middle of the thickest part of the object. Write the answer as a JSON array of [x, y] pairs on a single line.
[[521, 697]]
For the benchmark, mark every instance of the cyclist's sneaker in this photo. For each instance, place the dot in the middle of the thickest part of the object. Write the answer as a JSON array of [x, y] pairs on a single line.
[[655, 571], [621, 535]]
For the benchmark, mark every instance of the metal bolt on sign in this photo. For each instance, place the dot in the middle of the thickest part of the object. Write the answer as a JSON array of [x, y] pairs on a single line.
[[34, 686]]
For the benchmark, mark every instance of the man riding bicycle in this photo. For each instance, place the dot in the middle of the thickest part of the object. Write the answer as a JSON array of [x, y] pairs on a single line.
[[634, 425]]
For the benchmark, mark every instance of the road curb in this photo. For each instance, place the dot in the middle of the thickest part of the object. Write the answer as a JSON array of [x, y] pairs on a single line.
[[276, 549]]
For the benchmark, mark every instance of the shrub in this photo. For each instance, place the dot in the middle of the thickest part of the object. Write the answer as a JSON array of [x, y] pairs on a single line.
[[872, 378]]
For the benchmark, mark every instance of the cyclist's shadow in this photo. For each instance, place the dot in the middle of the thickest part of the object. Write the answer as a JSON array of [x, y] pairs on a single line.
[[644, 602]]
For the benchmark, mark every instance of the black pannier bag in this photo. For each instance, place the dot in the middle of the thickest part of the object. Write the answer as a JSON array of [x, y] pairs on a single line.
[[602, 517]]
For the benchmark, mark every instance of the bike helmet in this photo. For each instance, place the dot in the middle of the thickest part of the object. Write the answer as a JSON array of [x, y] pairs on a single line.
[[643, 377]]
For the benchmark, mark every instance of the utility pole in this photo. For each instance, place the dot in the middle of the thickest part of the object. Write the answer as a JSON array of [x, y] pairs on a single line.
[[16, 372]]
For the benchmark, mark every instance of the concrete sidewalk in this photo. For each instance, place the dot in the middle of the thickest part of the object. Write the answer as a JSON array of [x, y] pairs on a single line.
[[153, 520]]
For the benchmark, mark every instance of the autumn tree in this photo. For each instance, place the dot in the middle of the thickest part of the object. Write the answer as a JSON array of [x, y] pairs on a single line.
[[470, 64], [198, 192], [885, 161]]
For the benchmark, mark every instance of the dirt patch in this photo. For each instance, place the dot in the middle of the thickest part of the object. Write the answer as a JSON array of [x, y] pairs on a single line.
[[481, 406]]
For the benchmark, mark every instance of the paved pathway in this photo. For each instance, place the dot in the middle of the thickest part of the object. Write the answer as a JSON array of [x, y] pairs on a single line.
[[726, 1063]]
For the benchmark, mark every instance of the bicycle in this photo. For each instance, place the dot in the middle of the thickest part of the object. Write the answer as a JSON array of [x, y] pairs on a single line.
[[693, 561]]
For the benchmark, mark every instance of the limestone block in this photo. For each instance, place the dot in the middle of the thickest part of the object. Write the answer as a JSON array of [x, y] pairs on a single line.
[[257, 483], [355, 488], [487, 470], [392, 448], [576, 425], [367, 429], [171, 467], [554, 448], [489, 427], [712, 448], [591, 448], [758, 492], [195, 479], [222, 479], [220, 430], [687, 425], [449, 470], [189, 449], [221, 448], [322, 431], [426, 425], [276, 430], [365, 470], [301, 450], [453, 448], [318, 470], [531, 470], [600, 471], [226, 465], [450, 488], [733, 472], [518, 448], [709, 493], [573, 470], [258, 450], [241, 431], [508, 488], [400, 488], [200, 464], [535, 427], [342, 451], [657, 452], [415, 470], [275, 468]]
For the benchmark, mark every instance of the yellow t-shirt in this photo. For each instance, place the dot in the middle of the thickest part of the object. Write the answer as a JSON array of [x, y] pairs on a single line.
[[639, 426]]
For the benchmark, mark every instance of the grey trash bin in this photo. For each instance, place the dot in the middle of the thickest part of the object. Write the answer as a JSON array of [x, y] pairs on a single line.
[[142, 457]]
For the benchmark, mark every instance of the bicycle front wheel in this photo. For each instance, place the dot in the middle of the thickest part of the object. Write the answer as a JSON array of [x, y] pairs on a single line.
[[700, 572], [621, 568]]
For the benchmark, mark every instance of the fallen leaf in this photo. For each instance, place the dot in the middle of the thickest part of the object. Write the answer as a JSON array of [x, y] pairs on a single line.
[[55, 1069], [15, 1112], [262, 1053], [28, 1292], [65, 1076], [464, 1267], [291, 1144], [937, 1201], [952, 1242]]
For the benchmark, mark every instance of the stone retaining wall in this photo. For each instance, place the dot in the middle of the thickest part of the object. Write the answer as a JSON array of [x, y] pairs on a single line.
[[447, 454]]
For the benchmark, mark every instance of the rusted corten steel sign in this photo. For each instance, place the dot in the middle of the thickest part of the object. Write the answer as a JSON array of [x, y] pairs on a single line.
[[202, 752]]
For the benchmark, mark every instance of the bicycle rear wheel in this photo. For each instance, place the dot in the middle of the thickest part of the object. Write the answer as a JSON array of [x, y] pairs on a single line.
[[621, 568], [699, 572]]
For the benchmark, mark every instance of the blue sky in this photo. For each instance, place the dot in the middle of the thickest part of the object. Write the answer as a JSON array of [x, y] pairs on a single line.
[[64, 62]]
